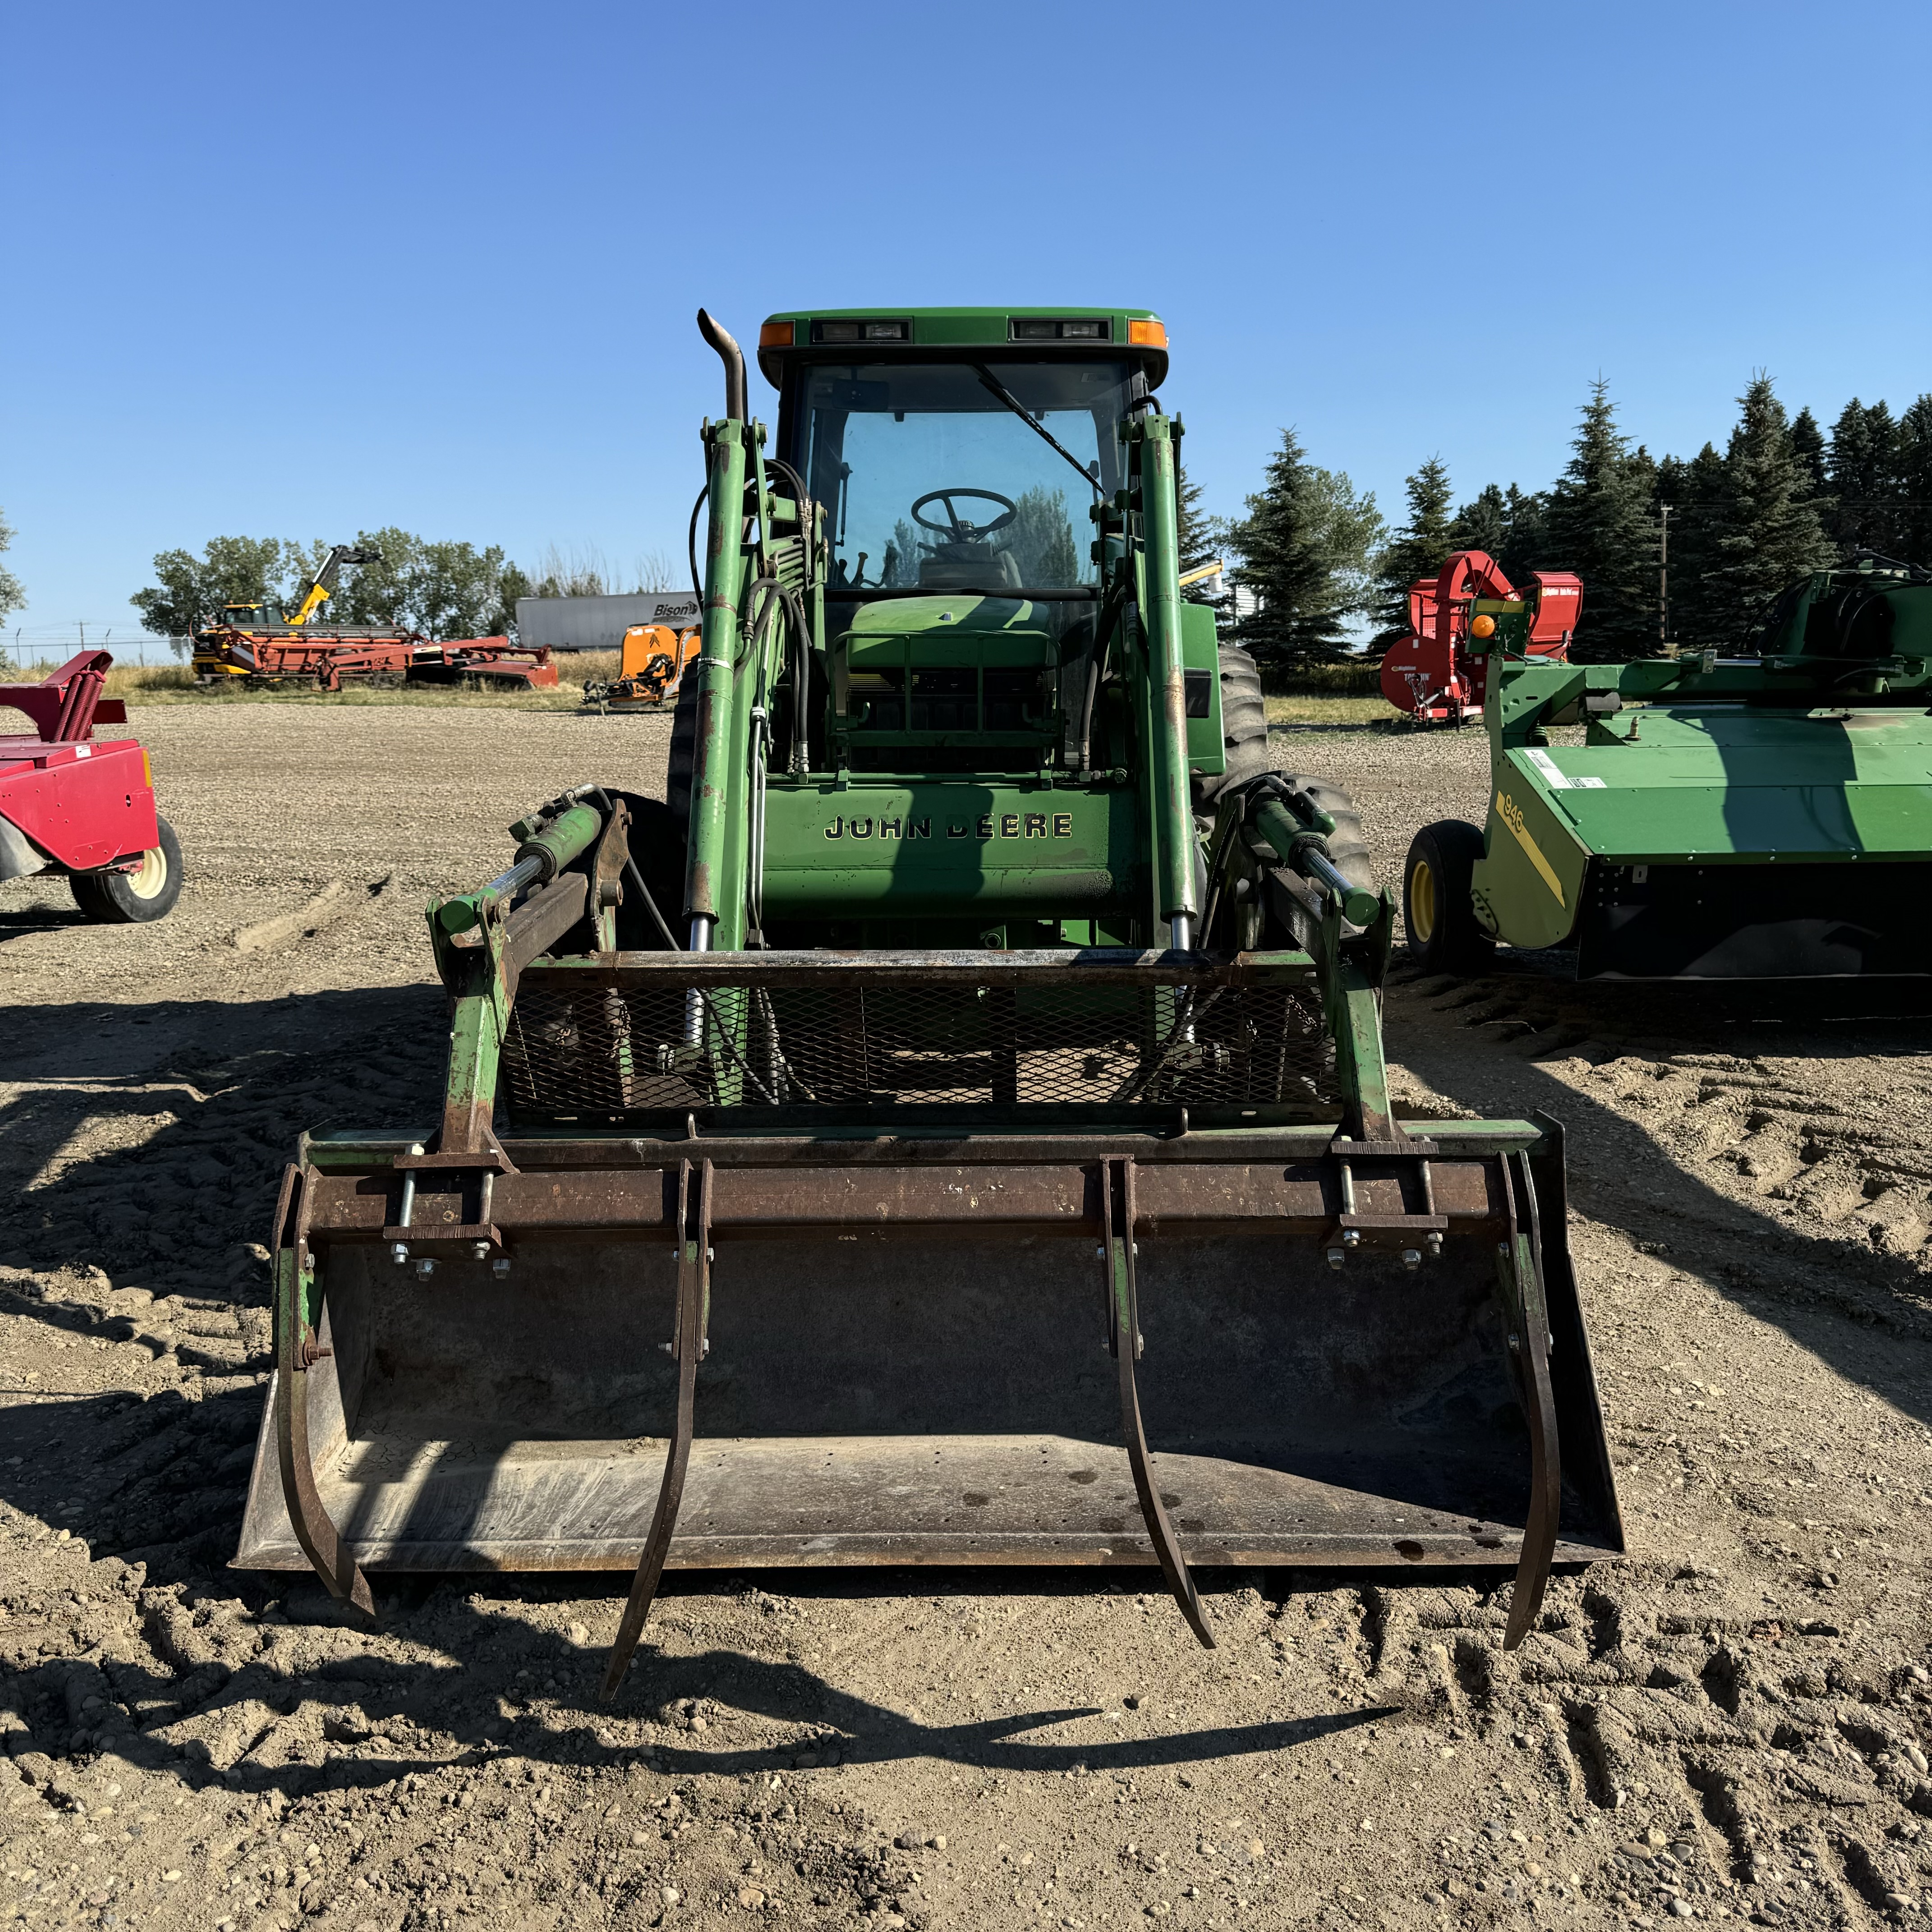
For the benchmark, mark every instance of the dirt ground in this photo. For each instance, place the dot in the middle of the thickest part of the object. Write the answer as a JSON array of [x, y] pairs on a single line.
[[1731, 1723]]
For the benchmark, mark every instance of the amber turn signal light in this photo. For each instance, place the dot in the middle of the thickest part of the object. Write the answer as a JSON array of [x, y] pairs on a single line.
[[1147, 334], [776, 335], [1484, 626]]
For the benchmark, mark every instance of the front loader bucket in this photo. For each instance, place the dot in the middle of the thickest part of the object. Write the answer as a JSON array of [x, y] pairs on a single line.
[[898, 1312]]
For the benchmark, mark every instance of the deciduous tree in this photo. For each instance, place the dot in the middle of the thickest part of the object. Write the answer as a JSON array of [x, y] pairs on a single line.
[[190, 591], [12, 594]]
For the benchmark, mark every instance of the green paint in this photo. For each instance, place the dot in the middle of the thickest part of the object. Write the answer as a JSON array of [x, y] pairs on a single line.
[[1002, 847], [298, 1303], [1818, 751], [713, 889], [1157, 438]]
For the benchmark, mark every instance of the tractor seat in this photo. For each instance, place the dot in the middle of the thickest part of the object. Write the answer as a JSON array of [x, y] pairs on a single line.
[[965, 566]]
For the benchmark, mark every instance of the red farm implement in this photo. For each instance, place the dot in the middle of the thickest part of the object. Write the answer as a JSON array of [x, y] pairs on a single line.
[[1432, 672], [328, 660], [71, 805]]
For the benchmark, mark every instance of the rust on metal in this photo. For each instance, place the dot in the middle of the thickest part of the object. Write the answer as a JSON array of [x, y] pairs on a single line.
[[1521, 1273], [328, 1553], [1118, 1250], [688, 1349]]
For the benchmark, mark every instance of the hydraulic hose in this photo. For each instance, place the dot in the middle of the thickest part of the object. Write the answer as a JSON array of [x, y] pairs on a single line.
[[690, 550]]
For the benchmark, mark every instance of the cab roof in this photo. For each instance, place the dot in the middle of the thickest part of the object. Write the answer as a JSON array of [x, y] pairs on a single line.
[[1137, 334]]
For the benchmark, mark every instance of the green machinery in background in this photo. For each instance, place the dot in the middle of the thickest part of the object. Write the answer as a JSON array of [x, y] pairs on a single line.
[[969, 1070], [1759, 817]]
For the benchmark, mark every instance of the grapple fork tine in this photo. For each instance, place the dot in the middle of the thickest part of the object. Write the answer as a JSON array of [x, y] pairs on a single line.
[[296, 1352], [694, 1294], [1529, 1344], [1117, 1248]]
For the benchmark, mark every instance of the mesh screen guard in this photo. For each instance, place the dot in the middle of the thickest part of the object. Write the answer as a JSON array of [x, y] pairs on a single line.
[[606, 1041]]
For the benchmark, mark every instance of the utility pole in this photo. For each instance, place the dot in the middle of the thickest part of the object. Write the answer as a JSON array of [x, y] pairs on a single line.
[[1664, 577]]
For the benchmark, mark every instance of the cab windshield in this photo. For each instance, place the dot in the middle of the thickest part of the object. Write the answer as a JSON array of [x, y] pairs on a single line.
[[935, 480]]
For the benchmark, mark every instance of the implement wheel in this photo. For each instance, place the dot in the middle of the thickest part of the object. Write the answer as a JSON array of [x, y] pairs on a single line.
[[132, 898], [1439, 913]]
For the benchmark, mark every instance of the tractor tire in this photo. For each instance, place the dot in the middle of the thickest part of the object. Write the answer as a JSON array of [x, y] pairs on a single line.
[[1244, 729], [683, 759], [1244, 734], [1437, 910], [132, 898]]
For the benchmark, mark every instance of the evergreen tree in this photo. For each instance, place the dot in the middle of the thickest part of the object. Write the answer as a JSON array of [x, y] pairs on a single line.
[[1040, 540], [1200, 534], [1417, 550], [1600, 527], [1506, 525], [1767, 535], [1695, 491], [1914, 485], [1861, 470], [1482, 523], [1304, 551], [1528, 515], [899, 570], [1807, 446]]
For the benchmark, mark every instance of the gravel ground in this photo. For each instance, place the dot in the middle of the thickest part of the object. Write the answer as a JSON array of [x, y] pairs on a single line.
[[1732, 1723]]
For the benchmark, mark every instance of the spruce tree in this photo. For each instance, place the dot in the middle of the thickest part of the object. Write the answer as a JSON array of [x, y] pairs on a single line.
[[1695, 491], [1527, 513], [1808, 445], [1767, 535], [1507, 525], [1861, 470], [1483, 523], [1913, 473], [1600, 526], [1200, 534], [1416, 550], [1303, 549]]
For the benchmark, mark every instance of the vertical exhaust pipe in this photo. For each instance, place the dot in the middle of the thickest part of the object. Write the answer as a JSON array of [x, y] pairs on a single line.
[[733, 358]]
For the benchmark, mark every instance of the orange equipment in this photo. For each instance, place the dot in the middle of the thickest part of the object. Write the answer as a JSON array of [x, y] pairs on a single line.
[[1432, 672], [649, 668]]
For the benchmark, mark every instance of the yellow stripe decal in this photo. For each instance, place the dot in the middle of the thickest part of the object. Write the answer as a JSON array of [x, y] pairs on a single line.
[[1511, 815]]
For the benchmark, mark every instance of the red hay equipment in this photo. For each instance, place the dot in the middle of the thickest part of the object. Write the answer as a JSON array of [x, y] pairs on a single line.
[[1431, 673]]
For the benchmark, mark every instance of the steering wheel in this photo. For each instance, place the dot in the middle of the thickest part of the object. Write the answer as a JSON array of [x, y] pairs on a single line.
[[956, 529]]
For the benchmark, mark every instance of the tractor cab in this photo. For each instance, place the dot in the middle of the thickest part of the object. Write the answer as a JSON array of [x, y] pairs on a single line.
[[970, 471], [249, 616]]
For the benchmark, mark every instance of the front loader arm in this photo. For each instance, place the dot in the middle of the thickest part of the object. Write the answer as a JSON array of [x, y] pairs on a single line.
[[1152, 450], [714, 892]]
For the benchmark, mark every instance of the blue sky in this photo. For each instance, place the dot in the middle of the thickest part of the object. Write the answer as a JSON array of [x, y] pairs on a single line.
[[298, 271]]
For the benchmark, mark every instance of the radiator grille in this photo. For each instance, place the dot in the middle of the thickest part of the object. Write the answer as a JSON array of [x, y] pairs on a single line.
[[589, 1047]]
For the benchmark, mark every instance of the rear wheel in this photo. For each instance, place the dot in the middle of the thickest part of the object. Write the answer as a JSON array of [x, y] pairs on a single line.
[[1438, 909], [132, 898]]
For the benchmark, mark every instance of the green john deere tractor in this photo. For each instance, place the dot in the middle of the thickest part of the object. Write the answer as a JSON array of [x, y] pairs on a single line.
[[971, 1070], [1760, 816]]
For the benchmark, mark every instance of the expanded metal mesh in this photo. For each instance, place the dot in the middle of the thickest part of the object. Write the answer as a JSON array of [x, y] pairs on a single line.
[[593, 1048]]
